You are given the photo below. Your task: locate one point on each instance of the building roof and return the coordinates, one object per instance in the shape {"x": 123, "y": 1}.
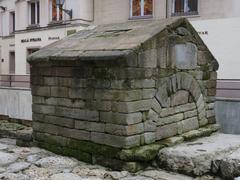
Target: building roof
{"x": 108, "y": 41}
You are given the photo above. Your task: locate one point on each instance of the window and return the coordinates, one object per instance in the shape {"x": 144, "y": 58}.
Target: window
{"x": 12, "y": 22}
{"x": 56, "y": 11}
{"x": 12, "y": 62}
{"x": 29, "y": 52}
{"x": 34, "y": 13}
{"x": 141, "y": 8}
{"x": 185, "y": 7}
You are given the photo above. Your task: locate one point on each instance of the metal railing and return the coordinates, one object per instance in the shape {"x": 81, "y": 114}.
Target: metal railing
{"x": 228, "y": 88}
{"x": 12, "y": 80}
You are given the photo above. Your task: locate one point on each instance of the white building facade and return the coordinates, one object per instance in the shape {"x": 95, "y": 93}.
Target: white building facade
{"x": 28, "y": 25}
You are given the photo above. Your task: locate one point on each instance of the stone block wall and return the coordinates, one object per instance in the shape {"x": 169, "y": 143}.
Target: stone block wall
{"x": 98, "y": 109}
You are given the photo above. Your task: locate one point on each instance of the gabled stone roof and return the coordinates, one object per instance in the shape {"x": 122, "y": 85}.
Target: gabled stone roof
{"x": 108, "y": 41}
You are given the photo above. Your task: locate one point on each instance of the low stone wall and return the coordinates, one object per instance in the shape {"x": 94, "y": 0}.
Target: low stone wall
{"x": 110, "y": 110}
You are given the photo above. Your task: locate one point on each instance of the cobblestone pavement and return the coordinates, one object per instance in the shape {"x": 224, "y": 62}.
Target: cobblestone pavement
{"x": 18, "y": 163}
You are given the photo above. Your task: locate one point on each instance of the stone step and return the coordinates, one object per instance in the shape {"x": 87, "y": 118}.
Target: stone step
{"x": 202, "y": 156}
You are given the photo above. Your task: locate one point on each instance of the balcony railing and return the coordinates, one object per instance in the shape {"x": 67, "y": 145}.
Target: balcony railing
{"x": 12, "y": 80}
{"x": 228, "y": 88}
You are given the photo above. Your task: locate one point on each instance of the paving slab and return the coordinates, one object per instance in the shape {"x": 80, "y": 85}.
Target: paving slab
{"x": 31, "y": 163}
{"x": 195, "y": 158}
{"x": 7, "y": 158}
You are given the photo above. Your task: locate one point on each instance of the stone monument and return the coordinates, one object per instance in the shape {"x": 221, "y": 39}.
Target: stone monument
{"x": 111, "y": 94}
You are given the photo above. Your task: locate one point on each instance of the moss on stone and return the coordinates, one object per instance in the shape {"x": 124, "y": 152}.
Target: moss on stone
{"x": 80, "y": 155}
{"x": 143, "y": 153}
{"x": 134, "y": 167}
{"x": 93, "y": 148}
{"x": 5, "y": 125}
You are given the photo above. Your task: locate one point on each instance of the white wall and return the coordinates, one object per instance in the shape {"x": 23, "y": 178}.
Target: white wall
{"x": 223, "y": 40}
{"x": 210, "y": 9}
{"x": 21, "y": 15}
{"x": 16, "y": 103}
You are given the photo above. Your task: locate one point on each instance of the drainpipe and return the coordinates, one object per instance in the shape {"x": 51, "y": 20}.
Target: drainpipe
{"x": 93, "y": 10}
{"x": 166, "y": 8}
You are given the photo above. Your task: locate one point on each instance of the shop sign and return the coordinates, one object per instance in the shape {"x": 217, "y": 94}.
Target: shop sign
{"x": 53, "y": 38}
{"x": 31, "y": 40}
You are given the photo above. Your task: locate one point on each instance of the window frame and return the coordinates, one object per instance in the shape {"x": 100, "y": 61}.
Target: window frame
{"x": 58, "y": 9}
{"x": 185, "y": 13}
{"x": 37, "y": 13}
{"x": 142, "y": 16}
{"x": 12, "y": 22}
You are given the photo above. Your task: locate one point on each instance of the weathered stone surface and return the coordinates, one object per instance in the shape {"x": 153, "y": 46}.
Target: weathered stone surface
{"x": 167, "y": 131}
{"x": 188, "y": 125}
{"x": 7, "y": 158}
{"x": 148, "y": 93}
{"x": 124, "y": 130}
{"x": 184, "y": 56}
{"x": 162, "y": 95}
{"x": 65, "y": 122}
{"x": 156, "y": 106}
{"x": 121, "y": 118}
{"x": 150, "y": 126}
{"x": 59, "y": 92}
{"x": 119, "y": 95}
{"x": 196, "y": 157}
{"x": 57, "y": 130}
{"x": 162, "y": 58}
{"x": 41, "y": 91}
{"x": 143, "y": 153}
{"x": 185, "y": 81}
{"x": 172, "y": 141}
{"x": 90, "y": 126}
{"x": 116, "y": 141}
{"x": 229, "y": 165}
{"x": 183, "y": 31}
{"x": 148, "y": 58}
{"x": 210, "y": 113}
{"x": 57, "y": 163}
{"x": 13, "y": 176}
{"x": 137, "y": 178}
{"x": 170, "y": 119}
{"x": 179, "y": 98}
{"x": 33, "y": 158}
{"x": 43, "y": 109}
{"x": 148, "y": 138}
{"x": 16, "y": 167}
{"x": 64, "y": 176}
{"x": 203, "y": 122}
{"x": 164, "y": 175}
{"x": 203, "y": 57}
{"x": 178, "y": 109}
{"x": 190, "y": 114}
{"x": 130, "y": 107}
{"x": 133, "y": 84}
{"x": 82, "y": 114}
